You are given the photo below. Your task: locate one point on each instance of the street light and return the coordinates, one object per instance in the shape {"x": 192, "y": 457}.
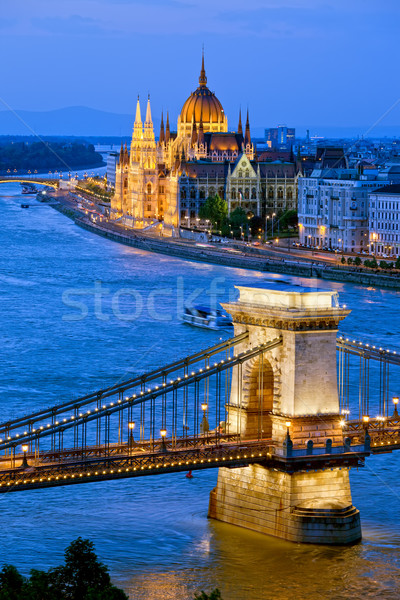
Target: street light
{"x": 131, "y": 427}
{"x": 25, "y": 449}
{"x": 288, "y": 424}
{"x": 204, "y": 426}
{"x": 163, "y": 433}
{"x": 395, "y": 402}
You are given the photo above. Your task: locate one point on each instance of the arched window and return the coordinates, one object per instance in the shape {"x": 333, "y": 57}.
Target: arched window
{"x": 221, "y": 192}
{"x": 193, "y": 192}
{"x": 247, "y": 193}
{"x": 247, "y": 174}
{"x": 254, "y": 194}
{"x": 183, "y": 194}
{"x": 271, "y": 193}
{"x": 149, "y": 188}
{"x": 289, "y": 194}
{"x": 240, "y": 174}
{"x": 233, "y": 194}
{"x": 125, "y": 183}
{"x": 280, "y": 193}
{"x": 202, "y": 194}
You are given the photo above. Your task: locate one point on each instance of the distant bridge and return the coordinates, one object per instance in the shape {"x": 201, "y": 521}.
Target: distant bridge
{"x": 54, "y": 183}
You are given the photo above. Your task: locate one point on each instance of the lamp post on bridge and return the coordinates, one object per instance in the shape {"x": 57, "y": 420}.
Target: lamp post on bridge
{"x": 204, "y": 426}
{"x": 25, "y": 449}
{"x": 163, "y": 433}
{"x": 131, "y": 441}
{"x": 395, "y": 402}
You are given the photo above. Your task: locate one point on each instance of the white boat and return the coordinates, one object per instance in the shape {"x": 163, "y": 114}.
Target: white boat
{"x": 206, "y": 317}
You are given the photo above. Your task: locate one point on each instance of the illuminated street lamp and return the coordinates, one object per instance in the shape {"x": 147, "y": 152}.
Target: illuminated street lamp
{"x": 365, "y": 422}
{"x": 288, "y": 424}
{"x": 131, "y": 427}
{"x": 204, "y": 426}
{"x": 395, "y": 402}
{"x": 25, "y": 449}
{"x": 163, "y": 433}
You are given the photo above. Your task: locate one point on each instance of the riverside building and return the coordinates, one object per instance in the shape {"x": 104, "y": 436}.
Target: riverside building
{"x": 333, "y": 208}
{"x": 170, "y": 179}
{"x": 384, "y": 218}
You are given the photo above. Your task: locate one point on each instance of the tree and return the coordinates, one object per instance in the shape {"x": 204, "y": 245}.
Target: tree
{"x": 349, "y": 261}
{"x": 343, "y": 260}
{"x": 11, "y": 583}
{"x": 357, "y": 261}
{"x": 383, "y": 264}
{"x": 81, "y": 577}
{"x": 215, "y": 209}
{"x": 81, "y": 572}
{"x": 256, "y": 223}
{"x": 397, "y": 265}
{"x": 289, "y": 219}
{"x": 214, "y": 595}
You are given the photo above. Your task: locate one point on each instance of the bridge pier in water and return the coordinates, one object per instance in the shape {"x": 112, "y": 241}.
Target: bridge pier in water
{"x": 289, "y": 394}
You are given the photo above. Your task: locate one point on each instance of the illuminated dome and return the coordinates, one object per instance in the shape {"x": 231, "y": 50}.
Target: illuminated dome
{"x": 202, "y": 106}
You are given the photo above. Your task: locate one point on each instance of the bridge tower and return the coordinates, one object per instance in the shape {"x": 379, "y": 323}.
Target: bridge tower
{"x": 288, "y": 394}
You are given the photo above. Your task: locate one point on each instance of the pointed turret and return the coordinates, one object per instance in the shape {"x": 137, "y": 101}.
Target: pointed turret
{"x": 202, "y": 78}
{"x": 148, "y": 124}
{"x": 121, "y": 154}
{"x": 194, "y": 134}
{"x": 247, "y": 137}
{"x": 138, "y": 125}
{"x": 162, "y": 134}
{"x": 126, "y": 154}
{"x": 200, "y": 137}
{"x": 148, "y": 111}
{"x": 167, "y": 132}
{"x": 138, "y": 116}
{"x": 240, "y": 128}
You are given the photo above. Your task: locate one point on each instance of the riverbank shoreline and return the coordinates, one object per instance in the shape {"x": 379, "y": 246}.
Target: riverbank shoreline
{"x": 222, "y": 256}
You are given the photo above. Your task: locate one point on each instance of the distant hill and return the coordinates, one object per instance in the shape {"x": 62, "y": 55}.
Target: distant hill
{"x": 74, "y": 120}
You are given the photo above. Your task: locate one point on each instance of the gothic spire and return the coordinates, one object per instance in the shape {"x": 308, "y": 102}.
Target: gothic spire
{"x": 167, "y": 132}
{"x": 194, "y": 134}
{"x": 148, "y": 112}
{"x": 126, "y": 154}
{"x": 240, "y": 128}
{"x": 247, "y": 137}
{"x": 202, "y": 78}
{"x": 200, "y": 136}
{"x": 162, "y": 134}
{"x": 138, "y": 117}
{"x": 121, "y": 154}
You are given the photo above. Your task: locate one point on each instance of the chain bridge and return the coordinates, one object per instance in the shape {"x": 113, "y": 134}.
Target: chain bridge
{"x": 284, "y": 409}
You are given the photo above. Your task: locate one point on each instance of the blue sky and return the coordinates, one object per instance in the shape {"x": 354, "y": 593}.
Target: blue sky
{"x": 300, "y": 62}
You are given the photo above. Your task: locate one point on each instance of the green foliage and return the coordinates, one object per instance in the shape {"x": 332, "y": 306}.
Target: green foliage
{"x": 357, "y": 261}
{"x": 343, "y": 260}
{"x": 238, "y": 217}
{"x": 397, "y": 264}
{"x": 215, "y": 209}
{"x": 214, "y": 595}
{"x": 349, "y": 261}
{"x": 288, "y": 219}
{"x": 383, "y": 264}
{"x": 81, "y": 577}
{"x": 41, "y": 156}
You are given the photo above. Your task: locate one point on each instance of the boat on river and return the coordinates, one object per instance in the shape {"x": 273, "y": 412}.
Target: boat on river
{"x": 206, "y": 317}
{"x": 28, "y": 188}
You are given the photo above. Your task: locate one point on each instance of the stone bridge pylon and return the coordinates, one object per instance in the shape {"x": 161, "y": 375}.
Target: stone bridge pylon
{"x": 289, "y": 395}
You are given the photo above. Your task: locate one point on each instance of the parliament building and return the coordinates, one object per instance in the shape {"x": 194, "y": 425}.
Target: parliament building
{"x": 168, "y": 180}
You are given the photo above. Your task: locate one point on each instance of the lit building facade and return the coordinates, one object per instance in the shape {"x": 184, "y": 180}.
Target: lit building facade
{"x": 168, "y": 180}
{"x": 333, "y": 208}
{"x": 384, "y": 219}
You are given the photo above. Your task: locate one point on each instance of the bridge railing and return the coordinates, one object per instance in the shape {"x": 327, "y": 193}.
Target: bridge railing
{"x": 187, "y": 399}
{"x": 368, "y": 379}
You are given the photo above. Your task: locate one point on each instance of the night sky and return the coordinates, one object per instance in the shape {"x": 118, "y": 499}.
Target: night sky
{"x": 290, "y": 61}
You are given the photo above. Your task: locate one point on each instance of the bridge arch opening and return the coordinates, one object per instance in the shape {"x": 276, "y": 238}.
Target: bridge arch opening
{"x": 252, "y": 399}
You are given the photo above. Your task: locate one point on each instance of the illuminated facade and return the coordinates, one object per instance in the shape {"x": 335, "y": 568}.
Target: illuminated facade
{"x": 168, "y": 180}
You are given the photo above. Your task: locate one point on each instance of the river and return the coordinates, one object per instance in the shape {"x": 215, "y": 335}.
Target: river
{"x": 153, "y": 532}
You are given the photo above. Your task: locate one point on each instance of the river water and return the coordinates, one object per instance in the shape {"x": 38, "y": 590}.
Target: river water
{"x": 153, "y": 532}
